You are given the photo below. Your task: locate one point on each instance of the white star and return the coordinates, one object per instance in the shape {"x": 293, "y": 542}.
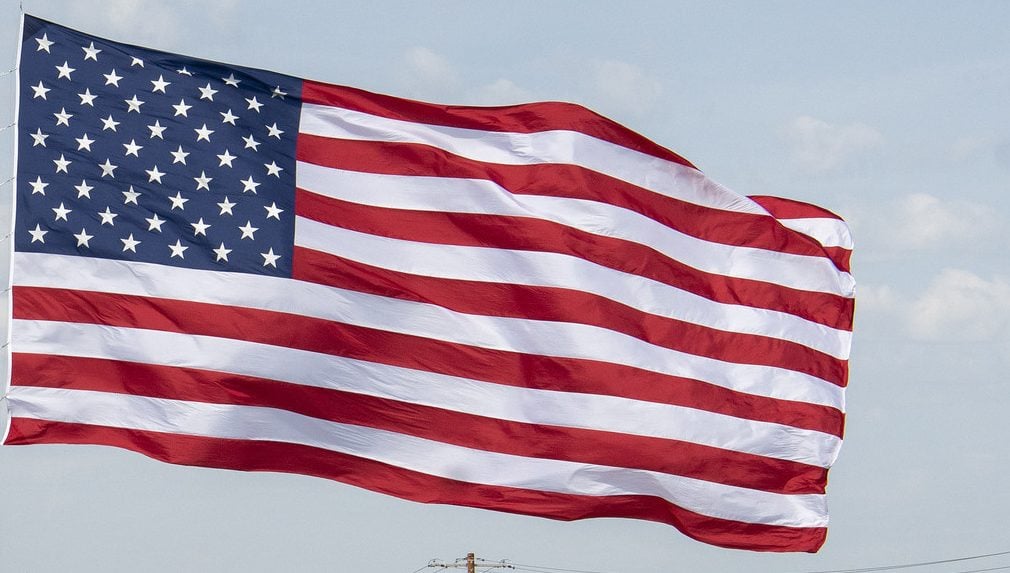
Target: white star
{"x": 63, "y": 118}
{"x": 83, "y": 190}
{"x": 278, "y": 92}
{"x": 270, "y": 259}
{"x": 178, "y": 249}
{"x": 228, "y": 117}
{"x": 274, "y": 132}
{"x": 109, "y": 123}
{"x": 130, "y": 244}
{"x": 111, "y": 79}
{"x": 44, "y": 44}
{"x": 65, "y": 70}
{"x": 84, "y": 142}
{"x": 108, "y": 168}
{"x": 87, "y": 98}
{"x": 207, "y": 92}
{"x": 136, "y": 62}
{"x": 38, "y": 186}
{"x": 273, "y": 169}
{"x": 226, "y": 158}
{"x": 91, "y": 52}
{"x": 39, "y": 137}
{"x": 83, "y": 237}
{"x": 200, "y": 228}
{"x": 160, "y": 84}
{"x": 184, "y": 71}
{"x": 178, "y": 201}
{"x": 203, "y": 182}
{"x": 179, "y": 155}
{"x": 107, "y": 217}
{"x": 40, "y": 90}
{"x": 132, "y": 148}
{"x": 254, "y": 104}
{"x": 130, "y": 196}
{"x": 231, "y": 80}
{"x": 226, "y": 206}
{"x": 250, "y": 142}
{"x": 62, "y": 164}
{"x": 157, "y": 130}
{"x": 154, "y": 175}
{"x": 273, "y": 211}
{"x": 222, "y": 253}
{"x": 134, "y": 104}
{"x": 154, "y": 223}
{"x": 250, "y": 184}
{"x": 203, "y": 133}
{"x": 248, "y": 230}
{"x": 61, "y": 212}
{"x": 181, "y": 108}
{"x": 38, "y": 235}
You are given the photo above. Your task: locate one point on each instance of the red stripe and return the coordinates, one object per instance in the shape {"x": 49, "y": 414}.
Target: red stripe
{"x": 842, "y": 257}
{"x": 566, "y": 305}
{"x": 524, "y": 118}
{"x": 459, "y": 428}
{"x": 375, "y": 476}
{"x": 791, "y": 209}
{"x": 558, "y": 180}
{"x": 528, "y": 234}
{"x": 372, "y": 345}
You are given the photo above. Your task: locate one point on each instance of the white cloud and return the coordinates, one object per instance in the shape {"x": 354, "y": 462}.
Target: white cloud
{"x": 876, "y": 299}
{"x": 154, "y": 21}
{"x": 501, "y": 92}
{"x": 428, "y": 74}
{"x": 920, "y": 220}
{"x": 623, "y": 87}
{"x": 818, "y": 146}
{"x": 967, "y": 147}
{"x": 961, "y": 306}
{"x": 150, "y": 22}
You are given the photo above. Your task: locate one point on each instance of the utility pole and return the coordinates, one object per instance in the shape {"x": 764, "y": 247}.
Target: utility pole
{"x": 471, "y": 563}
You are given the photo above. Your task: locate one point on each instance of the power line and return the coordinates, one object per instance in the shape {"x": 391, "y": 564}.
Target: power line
{"x": 910, "y": 565}
{"x": 1003, "y": 568}
{"x": 545, "y": 569}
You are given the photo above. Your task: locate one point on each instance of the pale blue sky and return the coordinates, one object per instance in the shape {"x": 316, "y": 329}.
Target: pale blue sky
{"x": 892, "y": 114}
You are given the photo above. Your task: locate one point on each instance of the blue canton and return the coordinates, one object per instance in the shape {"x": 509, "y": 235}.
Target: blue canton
{"x": 139, "y": 155}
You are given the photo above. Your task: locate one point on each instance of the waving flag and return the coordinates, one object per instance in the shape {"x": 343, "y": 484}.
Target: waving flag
{"x": 527, "y": 308}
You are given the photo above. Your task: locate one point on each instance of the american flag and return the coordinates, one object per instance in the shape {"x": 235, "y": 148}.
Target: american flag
{"x": 527, "y": 308}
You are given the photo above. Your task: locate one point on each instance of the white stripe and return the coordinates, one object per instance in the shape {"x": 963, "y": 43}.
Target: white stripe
{"x": 497, "y": 401}
{"x": 415, "y": 454}
{"x": 828, "y": 232}
{"x": 558, "y": 146}
{"x": 459, "y": 195}
{"x": 564, "y": 271}
{"x": 417, "y": 319}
